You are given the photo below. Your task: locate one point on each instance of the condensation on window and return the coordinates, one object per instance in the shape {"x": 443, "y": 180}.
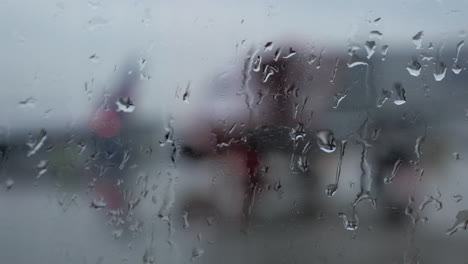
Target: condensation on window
{"x": 209, "y": 131}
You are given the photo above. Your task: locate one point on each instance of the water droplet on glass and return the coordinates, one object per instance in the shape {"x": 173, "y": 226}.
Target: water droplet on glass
{"x": 338, "y": 97}
{"x": 439, "y": 71}
{"x": 461, "y": 223}
{"x": 42, "y": 168}
{"x": 268, "y": 46}
{"x": 375, "y": 34}
{"x": 312, "y": 58}
{"x": 434, "y": 199}
{"x": 29, "y": 102}
{"x": 456, "y": 68}
{"x": 257, "y": 63}
{"x": 94, "y": 58}
{"x": 417, "y": 148}
{"x": 332, "y": 188}
{"x": 98, "y": 203}
{"x": 400, "y": 93}
{"x": 303, "y": 163}
{"x": 377, "y": 20}
{"x": 185, "y": 218}
{"x": 117, "y": 233}
{"x": 350, "y": 223}
{"x": 355, "y": 60}
{"x": 290, "y": 54}
{"x": 457, "y": 198}
{"x": 396, "y": 166}
{"x": 384, "y": 52}
{"x": 326, "y": 140}
{"x": 35, "y": 144}
{"x": 320, "y": 58}
{"x": 384, "y": 97}
{"x": 335, "y": 70}
{"x": 414, "y": 67}
{"x": 457, "y": 156}
{"x": 277, "y": 54}
{"x": 197, "y": 252}
{"x": 125, "y": 105}
{"x": 186, "y": 95}
{"x": 370, "y": 48}
{"x": 417, "y": 39}
{"x": 268, "y": 72}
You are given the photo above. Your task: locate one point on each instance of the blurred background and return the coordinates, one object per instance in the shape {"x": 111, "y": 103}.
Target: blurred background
{"x": 137, "y": 131}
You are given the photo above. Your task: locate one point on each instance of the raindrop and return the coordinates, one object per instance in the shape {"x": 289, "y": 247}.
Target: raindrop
{"x": 370, "y": 48}
{"x": 384, "y": 52}
{"x": 186, "y": 95}
{"x": 383, "y": 98}
{"x": 269, "y": 71}
{"x": 332, "y": 188}
{"x": 303, "y": 164}
{"x": 417, "y": 148}
{"x": 461, "y": 223}
{"x": 335, "y": 70}
{"x": 326, "y": 140}
{"x": 350, "y": 223}
{"x": 291, "y": 53}
{"x": 338, "y": 97}
{"x": 312, "y": 58}
{"x": 148, "y": 257}
{"x": 457, "y": 156}
{"x": 98, "y": 204}
{"x": 197, "y": 252}
{"x": 366, "y": 175}
{"x": 375, "y": 34}
{"x": 277, "y": 54}
{"x": 426, "y": 57}
{"x": 459, "y": 46}
{"x": 126, "y": 105}
{"x": 185, "y": 218}
{"x": 42, "y": 168}
{"x": 355, "y": 60}
{"x": 457, "y": 198}
{"x": 117, "y": 233}
{"x": 29, "y": 102}
{"x": 456, "y": 68}
{"x": 414, "y": 67}
{"x": 319, "y": 60}
{"x": 439, "y": 71}
{"x": 396, "y": 166}
{"x": 36, "y": 144}
{"x": 94, "y": 58}
{"x": 376, "y": 134}
{"x": 268, "y": 46}
{"x": 400, "y": 93}
{"x": 434, "y": 199}
{"x": 257, "y": 63}
{"x": 417, "y": 39}
{"x": 125, "y": 159}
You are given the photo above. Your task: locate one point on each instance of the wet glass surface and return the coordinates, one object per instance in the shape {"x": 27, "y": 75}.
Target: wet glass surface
{"x": 235, "y": 132}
